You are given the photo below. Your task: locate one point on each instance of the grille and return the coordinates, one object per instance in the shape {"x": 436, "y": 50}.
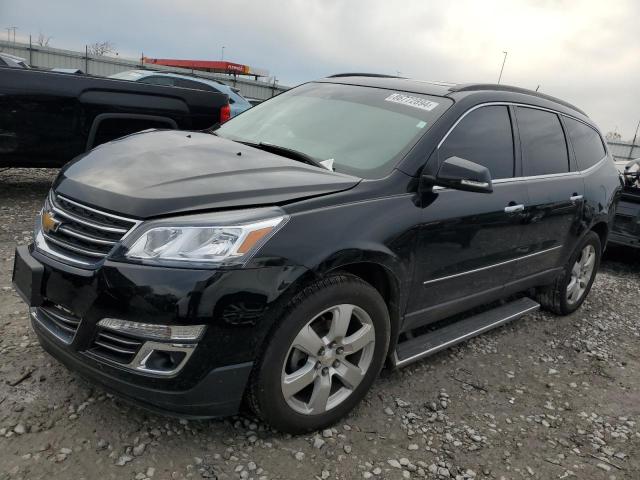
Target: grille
{"x": 59, "y": 321}
{"x": 83, "y": 233}
{"x": 115, "y": 346}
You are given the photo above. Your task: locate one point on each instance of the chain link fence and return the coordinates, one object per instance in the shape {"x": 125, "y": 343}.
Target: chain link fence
{"x": 48, "y": 57}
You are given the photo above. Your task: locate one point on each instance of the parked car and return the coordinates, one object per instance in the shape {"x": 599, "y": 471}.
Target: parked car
{"x": 7, "y": 60}
{"x": 254, "y": 101}
{"x": 286, "y": 257}
{"x": 48, "y": 118}
{"x": 238, "y": 103}
{"x": 626, "y": 229}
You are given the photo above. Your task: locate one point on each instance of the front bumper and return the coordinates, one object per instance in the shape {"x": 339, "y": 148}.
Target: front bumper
{"x": 218, "y": 394}
{"x": 237, "y": 307}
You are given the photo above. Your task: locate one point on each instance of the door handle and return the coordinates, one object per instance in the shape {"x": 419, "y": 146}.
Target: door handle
{"x": 514, "y": 208}
{"x": 575, "y": 198}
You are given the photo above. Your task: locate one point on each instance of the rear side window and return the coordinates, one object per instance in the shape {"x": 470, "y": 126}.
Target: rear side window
{"x": 586, "y": 143}
{"x": 485, "y": 137}
{"x": 181, "y": 82}
{"x": 544, "y": 148}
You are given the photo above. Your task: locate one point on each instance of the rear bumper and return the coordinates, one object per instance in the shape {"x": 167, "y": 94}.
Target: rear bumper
{"x": 218, "y": 394}
{"x": 625, "y": 240}
{"x": 626, "y": 228}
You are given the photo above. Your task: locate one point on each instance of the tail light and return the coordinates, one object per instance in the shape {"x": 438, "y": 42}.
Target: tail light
{"x": 225, "y": 113}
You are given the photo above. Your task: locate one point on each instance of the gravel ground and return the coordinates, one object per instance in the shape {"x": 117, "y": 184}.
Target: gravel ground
{"x": 544, "y": 397}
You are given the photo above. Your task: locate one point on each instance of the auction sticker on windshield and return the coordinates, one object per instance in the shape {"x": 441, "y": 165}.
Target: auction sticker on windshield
{"x": 411, "y": 101}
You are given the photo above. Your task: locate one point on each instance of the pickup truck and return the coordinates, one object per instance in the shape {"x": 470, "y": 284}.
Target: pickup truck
{"x": 48, "y": 118}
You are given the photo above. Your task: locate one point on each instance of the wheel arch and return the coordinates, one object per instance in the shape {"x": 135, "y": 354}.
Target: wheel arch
{"x": 101, "y": 118}
{"x": 602, "y": 229}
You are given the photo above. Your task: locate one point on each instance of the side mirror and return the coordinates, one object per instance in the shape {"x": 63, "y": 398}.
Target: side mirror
{"x": 461, "y": 174}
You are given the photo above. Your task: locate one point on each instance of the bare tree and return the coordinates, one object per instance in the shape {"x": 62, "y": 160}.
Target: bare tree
{"x": 613, "y": 136}
{"x": 43, "y": 40}
{"x": 101, "y": 48}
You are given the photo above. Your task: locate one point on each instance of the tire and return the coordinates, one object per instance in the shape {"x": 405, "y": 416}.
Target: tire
{"x": 292, "y": 357}
{"x": 555, "y": 297}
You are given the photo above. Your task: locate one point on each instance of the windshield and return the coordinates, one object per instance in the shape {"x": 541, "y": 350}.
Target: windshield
{"x": 364, "y": 130}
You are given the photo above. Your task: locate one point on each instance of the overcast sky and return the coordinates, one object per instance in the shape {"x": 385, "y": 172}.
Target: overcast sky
{"x": 586, "y": 52}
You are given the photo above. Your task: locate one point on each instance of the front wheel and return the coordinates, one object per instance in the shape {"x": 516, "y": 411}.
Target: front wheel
{"x": 567, "y": 293}
{"x": 323, "y": 356}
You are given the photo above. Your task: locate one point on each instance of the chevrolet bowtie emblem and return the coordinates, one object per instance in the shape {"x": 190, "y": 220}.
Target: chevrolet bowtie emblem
{"x": 49, "y": 222}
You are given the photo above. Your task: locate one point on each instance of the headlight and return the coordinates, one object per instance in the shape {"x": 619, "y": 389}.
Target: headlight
{"x": 227, "y": 238}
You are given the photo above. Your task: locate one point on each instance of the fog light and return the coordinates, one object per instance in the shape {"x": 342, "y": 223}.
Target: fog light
{"x": 153, "y": 331}
{"x": 163, "y": 361}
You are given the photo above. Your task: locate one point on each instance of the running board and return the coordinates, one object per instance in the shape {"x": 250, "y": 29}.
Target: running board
{"x": 445, "y": 337}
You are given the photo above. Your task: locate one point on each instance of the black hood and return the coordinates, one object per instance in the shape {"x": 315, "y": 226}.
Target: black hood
{"x": 164, "y": 172}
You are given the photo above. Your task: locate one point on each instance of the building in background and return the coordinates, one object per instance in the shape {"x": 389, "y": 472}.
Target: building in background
{"x": 259, "y": 87}
{"x": 212, "y": 66}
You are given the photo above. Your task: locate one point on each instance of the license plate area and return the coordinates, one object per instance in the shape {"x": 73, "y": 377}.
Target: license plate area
{"x": 27, "y": 277}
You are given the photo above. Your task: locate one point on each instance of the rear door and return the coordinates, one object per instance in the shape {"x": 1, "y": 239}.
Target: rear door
{"x": 555, "y": 189}
{"x": 468, "y": 243}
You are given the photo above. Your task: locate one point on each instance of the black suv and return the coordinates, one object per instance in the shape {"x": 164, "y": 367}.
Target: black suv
{"x": 285, "y": 257}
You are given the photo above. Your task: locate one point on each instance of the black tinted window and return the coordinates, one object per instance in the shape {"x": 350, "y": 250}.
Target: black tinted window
{"x": 168, "y": 81}
{"x": 484, "y": 136}
{"x": 544, "y": 148}
{"x": 586, "y": 143}
{"x": 181, "y": 82}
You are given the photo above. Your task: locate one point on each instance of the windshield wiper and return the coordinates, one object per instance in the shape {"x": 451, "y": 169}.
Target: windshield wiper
{"x": 285, "y": 152}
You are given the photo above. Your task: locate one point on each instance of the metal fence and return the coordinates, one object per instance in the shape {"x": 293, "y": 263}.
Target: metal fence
{"x": 624, "y": 150}
{"x": 47, "y": 57}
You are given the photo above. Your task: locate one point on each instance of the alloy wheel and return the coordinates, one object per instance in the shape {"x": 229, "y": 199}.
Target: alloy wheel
{"x": 581, "y": 274}
{"x": 328, "y": 359}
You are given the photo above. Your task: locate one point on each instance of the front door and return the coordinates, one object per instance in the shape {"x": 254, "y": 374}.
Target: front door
{"x": 469, "y": 242}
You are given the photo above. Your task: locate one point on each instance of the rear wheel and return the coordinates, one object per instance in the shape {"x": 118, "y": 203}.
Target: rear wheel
{"x": 324, "y": 355}
{"x": 567, "y": 293}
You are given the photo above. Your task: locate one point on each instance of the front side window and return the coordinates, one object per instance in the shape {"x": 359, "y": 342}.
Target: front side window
{"x": 544, "y": 148}
{"x": 586, "y": 142}
{"x": 483, "y": 136}
{"x": 365, "y": 130}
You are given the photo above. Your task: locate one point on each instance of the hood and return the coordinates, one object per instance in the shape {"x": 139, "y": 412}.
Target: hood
{"x": 163, "y": 172}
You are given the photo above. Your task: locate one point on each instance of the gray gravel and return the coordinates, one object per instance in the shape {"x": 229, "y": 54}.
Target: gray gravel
{"x": 544, "y": 397}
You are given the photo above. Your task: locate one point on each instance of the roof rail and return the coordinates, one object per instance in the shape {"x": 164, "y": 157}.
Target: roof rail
{"x": 471, "y": 87}
{"x": 379, "y": 75}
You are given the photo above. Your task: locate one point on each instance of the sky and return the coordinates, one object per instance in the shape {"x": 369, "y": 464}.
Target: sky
{"x": 586, "y": 52}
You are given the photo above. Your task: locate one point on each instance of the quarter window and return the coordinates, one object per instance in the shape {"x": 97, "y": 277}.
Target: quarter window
{"x": 544, "y": 148}
{"x": 586, "y": 142}
{"x": 484, "y": 136}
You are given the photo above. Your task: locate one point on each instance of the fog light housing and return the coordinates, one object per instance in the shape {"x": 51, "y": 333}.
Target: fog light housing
{"x": 164, "y": 361}
{"x": 152, "y": 331}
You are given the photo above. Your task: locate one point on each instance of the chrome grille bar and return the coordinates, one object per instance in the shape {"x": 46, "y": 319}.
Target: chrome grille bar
{"x": 82, "y": 235}
{"x": 73, "y": 248}
{"x": 87, "y": 238}
{"x": 87, "y": 222}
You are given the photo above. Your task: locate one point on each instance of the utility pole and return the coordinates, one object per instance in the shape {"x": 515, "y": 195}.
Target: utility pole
{"x": 633, "y": 142}
{"x": 504, "y": 60}
{"x": 9, "y": 29}
{"x": 222, "y": 55}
